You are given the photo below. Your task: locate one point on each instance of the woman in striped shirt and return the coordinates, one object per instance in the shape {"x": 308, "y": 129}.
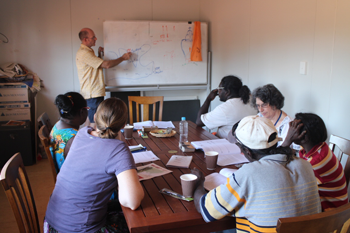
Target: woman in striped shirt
{"x": 309, "y": 131}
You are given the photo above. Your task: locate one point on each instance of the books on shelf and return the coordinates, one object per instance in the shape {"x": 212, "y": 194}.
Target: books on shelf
{"x": 159, "y": 124}
{"x": 229, "y": 153}
{"x": 179, "y": 161}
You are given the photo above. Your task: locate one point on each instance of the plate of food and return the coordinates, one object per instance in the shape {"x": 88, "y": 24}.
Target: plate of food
{"x": 163, "y": 132}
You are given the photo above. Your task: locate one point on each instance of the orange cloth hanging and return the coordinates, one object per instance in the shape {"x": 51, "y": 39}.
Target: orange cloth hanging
{"x": 196, "y": 53}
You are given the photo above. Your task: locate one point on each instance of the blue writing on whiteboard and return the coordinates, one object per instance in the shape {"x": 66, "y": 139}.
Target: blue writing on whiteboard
{"x": 138, "y": 61}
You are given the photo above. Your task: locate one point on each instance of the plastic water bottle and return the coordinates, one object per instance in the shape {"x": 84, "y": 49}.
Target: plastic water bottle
{"x": 183, "y": 125}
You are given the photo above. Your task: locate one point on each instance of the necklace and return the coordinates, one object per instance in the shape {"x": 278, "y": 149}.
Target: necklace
{"x": 278, "y": 119}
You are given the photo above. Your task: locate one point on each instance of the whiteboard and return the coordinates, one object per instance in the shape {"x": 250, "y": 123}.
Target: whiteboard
{"x": 161, "y": 53}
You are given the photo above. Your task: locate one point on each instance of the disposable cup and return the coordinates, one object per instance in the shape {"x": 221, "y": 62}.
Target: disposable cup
{"x": 211, "y": 158}
{"x": 128, "y": 131}
{"x": 188, "y": 184}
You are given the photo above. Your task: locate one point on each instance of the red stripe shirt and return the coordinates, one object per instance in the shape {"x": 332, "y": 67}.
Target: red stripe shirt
{"x": 330, "y": 176}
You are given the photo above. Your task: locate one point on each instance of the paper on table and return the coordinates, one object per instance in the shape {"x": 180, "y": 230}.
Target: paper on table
{"x": 234, "y": 158}
{"x": 144, "y": 156}
{"x": 214, "y": 180}
{"x": 160, "y": 124}
{"x": 163, "y": 124}
{"x": 227, "y": 171}
{"x": 151, "y": 170}
{"x": 228, "y": 153}
{"x": 179, "y": 161}
{"x": 138, "y": 125}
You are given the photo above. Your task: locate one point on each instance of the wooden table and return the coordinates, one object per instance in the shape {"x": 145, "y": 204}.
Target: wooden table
{"x": 162, "y": 213}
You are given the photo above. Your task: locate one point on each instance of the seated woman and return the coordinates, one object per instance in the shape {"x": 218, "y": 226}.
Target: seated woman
{"x": 97, "y": 164}
{"x": 269, "y": 101}
{"x": 72, "y": 108}
{"x": 309, "y": 131}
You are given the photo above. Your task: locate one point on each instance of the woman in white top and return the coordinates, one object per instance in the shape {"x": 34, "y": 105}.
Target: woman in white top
{"x": 269, "y": 101}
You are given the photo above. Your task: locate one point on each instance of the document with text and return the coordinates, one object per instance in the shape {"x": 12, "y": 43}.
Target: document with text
{"x": 229, "y": 153}
{"x": 159, "y": 124}
{"x": 144, "y": 156}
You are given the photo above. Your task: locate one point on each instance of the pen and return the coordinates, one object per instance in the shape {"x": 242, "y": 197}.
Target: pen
{"x": 174, "y": 194}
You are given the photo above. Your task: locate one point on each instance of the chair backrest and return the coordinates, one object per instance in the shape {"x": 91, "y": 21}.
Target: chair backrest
{"x": 325, "y": 222}
{"x": 45, "y": 141}
{"x": 146, "y": 101}
{"x": 343, "y": 146}
{"x": 44, "y": 119}
{"x": 16, "y": 184}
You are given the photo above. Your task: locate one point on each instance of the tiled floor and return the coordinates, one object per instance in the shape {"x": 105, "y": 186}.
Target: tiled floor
{"x": 41, "y": 181}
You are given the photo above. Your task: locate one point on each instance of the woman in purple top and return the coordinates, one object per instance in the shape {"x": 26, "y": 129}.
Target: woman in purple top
{"x": 97, "y": 164}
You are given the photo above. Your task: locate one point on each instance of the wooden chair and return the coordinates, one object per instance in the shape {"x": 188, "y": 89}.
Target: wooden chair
{"x": 343, "y": 146}
{"x": 16, "y": 184}
{"x": 44, "y": 119}
{"x": 325, "y": 222}
{"x": 145, "y": 101}
{"x": 45, "y": 141}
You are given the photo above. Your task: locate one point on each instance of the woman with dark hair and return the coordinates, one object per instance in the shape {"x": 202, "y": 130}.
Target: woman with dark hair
{"x": 235, "y": 96}
{"x": 269, "y": 101}
{"x": 73, "y": 109}
{"x": 309, "y": 131}
{"x": 98, "y": 163}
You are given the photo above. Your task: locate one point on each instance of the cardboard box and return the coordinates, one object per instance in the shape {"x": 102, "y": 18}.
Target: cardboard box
{"x": 18, "y": 114}
{"x": 13, "y": 93}
{"x": 14, "y": 105}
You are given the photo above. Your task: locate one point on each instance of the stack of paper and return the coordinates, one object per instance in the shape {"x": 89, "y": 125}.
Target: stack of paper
{"x": 228, "y": 153}
{"x": 144, "y": 157}
{"x": 159, "y": 124}
{"x": 179, "y": 161}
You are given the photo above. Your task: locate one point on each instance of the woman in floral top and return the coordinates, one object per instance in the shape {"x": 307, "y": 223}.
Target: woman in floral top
{"x": 73, "y": 109}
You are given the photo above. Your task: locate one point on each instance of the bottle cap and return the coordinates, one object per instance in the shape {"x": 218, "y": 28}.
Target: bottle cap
{"x": 183, "y": 118}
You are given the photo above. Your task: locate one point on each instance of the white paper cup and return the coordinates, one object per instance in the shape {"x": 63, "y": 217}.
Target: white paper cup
{"x": 211, "y": 158}
{"x": 188, "y": 183}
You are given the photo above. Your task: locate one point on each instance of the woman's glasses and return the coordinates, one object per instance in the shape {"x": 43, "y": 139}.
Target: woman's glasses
{"x": 264, "y": 105}
{"x": 87, "y": 108}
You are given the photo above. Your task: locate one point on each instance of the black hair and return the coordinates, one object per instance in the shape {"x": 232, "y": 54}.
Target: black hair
{"x": 235, "y": 86}
{"x": 83, "y": 34}
{"x": 70, "y": 104}
{"x": 314, "y": 125}
{"x": 268, "y": 94}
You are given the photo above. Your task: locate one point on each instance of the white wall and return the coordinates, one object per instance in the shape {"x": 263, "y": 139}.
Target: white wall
{"x": 260, "y": 41}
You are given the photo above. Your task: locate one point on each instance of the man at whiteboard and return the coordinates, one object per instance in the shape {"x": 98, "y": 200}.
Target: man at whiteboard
{"x": 236, "y": 105}
{"x": 90, "y": 70}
